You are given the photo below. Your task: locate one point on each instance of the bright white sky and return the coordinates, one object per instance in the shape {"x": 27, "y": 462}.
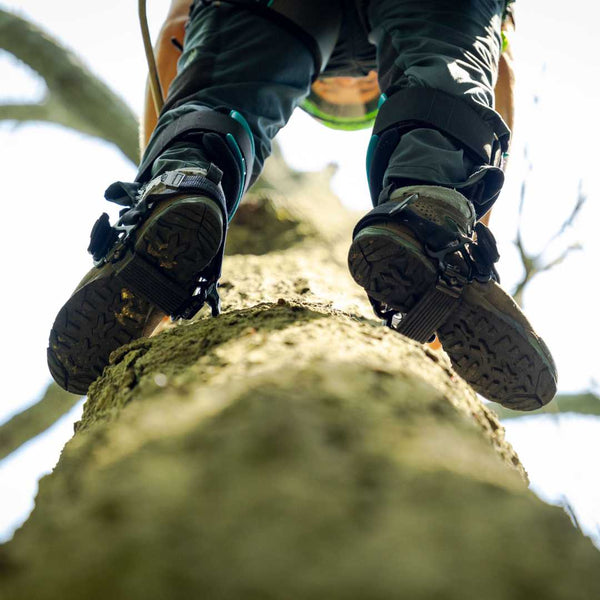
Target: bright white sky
{"x": 52, "y": 190}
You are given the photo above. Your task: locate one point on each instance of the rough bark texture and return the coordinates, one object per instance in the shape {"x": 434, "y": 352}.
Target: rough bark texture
{"x": 291, "y": 448}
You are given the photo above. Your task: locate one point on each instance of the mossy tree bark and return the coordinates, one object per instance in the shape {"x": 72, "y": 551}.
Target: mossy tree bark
{"x": 77, "y": 99}
{"x": 291, "y": 448}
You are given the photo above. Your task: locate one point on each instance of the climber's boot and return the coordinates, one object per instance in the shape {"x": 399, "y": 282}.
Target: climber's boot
{"x": 428, "y": 268}
{"x": 163, "y": 257}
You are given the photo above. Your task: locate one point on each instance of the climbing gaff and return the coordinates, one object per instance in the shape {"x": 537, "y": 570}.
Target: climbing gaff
{"x": 155, "y": 88}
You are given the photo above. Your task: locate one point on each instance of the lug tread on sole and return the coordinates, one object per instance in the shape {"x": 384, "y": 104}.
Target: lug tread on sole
{"x": 104, "y": 315}
{"x": 389, "y": 273}
{"x": 81, "y": 343}
{"x": 183, "y": 240}
{"x": 497, "y": 360}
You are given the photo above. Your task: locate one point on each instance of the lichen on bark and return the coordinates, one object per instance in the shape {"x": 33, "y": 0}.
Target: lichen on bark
{"x": 291, "y": 448}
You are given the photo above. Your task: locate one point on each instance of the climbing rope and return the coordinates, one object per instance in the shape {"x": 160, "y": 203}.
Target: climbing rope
{"x": 155, "y": 88}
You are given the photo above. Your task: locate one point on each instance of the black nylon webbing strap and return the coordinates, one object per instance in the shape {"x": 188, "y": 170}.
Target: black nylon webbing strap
{"x": 414, "y": 108}
{"x": 197, "y": 184}
{"x": 177, "y": 183}
{"x": 199, "y": 121}
{"x": 388, "y": 211}
{"x": 148, "y": 281}
{"x": 430, "y": 312}
{"x": 411, "y": 107}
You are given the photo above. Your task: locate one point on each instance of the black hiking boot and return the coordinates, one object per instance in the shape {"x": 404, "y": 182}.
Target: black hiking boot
{"x": 428, "y": 268}
{"x": 162, "y": 258}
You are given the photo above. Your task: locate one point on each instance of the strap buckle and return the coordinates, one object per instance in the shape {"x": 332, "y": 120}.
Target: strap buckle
{"x": 173, "y": 179}
{"x": 206, "y": 293}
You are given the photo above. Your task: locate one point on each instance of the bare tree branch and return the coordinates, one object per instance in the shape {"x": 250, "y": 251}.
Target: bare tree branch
{"x": 48, "y": 111}
{"x": 534, "y": 264}
{"x": 24, "y": 112}
{"x": 581, "y": 199}
{"x": 587, "y": 403}
{"x": 76, "y": 98}
{"x": 34, "y": 420}
{"x": 557, "y": 261}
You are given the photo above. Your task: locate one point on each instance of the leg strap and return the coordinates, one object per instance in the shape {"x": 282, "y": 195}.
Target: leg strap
{"x": 114, "y": 244}
{"x": 233, "y": 138}
{"x": 428, "y": 314}
{"x": 314, "y": 22}
{"x": 413, "y": 108}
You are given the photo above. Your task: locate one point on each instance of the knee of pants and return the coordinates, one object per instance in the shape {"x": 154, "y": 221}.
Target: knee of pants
{"x": 234, "y": 59}
{"x": 450, "y": 45}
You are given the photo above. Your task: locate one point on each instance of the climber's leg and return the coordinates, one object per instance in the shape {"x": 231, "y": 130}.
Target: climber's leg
{"x": 434, "y": 169}
{"x": 441, "y": 54}
{"x": 241, "y": 74}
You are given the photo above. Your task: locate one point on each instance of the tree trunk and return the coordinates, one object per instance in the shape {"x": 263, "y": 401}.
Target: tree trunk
{"x": 290, "y": 448}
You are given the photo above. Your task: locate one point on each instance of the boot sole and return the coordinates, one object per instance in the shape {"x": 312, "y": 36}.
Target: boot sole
{"x": 103, "y": 314}
{"x": 488, "y": 339}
